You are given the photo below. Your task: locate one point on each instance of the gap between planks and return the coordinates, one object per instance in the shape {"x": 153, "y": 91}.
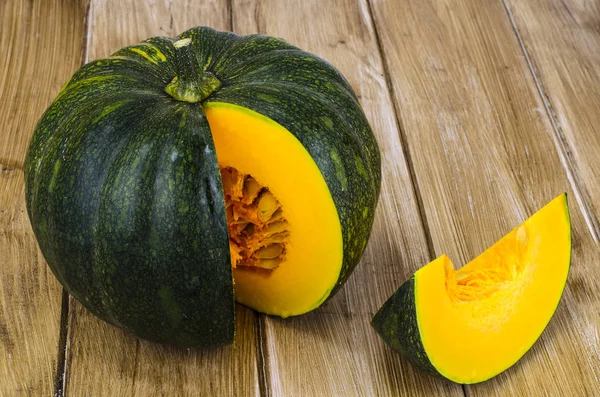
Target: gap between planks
{"x": 61, "y": 361}
{"x": 60, "y": 379}
{"x": 402, "y": 137}
{"x": 561, "y": 145}
{"x": 259, "y": 318}
{"x": 261, "y": 350}
{"x": 404, "y": 143}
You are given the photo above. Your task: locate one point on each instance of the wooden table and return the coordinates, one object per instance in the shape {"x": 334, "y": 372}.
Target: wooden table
{"x": 484, "y": 111}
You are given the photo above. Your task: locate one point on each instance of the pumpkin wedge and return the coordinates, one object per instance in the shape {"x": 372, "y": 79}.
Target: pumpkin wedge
{"x": 471, "y": 324}
{"x": 180, "y": 174}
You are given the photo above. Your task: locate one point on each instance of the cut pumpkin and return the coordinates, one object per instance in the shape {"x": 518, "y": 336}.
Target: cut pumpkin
{"x": 471, "y": 324}
{"x": 180, "y": 175}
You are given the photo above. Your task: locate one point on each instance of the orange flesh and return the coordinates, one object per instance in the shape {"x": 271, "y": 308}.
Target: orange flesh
{"x": 500, "y": 269}
{"x": 258, "y": 232}
{"x": 478, "y": 321}
{"x": 312, "y": 251}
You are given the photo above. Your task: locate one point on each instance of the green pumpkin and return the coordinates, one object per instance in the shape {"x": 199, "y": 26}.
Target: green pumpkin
{"x": 125, "y": 193}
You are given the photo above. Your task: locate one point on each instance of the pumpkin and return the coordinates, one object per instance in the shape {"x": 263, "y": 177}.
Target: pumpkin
{"x": 161, "y": 174}
{"x": 471, "y": 324}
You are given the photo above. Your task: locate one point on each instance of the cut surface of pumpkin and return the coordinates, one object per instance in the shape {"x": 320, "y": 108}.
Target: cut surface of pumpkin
{"x": 475, "y": 322}
{"x": 284, "y": 232}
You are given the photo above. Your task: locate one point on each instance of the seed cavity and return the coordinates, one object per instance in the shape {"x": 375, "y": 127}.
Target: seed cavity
{"x": 258, "y": 230}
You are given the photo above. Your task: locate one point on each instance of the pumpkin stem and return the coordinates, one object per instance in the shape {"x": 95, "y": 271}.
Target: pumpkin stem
{"x": 193, "y": 83}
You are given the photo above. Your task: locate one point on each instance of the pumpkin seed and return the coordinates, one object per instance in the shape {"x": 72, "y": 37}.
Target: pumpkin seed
{"x": 269, "y": 264}
{"x": 275, "y": 228}
{"x": 277, "y": 215}
{"x": 269, "y": 252}
{"x": 251, "y": 190}
{"x": 267, "y": 205}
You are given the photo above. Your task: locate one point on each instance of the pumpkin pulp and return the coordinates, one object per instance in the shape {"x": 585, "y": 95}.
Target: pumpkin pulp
{"x": 284, "y": 231}
{"x": 494, "y": 308}
{"x": 258, "y": 231}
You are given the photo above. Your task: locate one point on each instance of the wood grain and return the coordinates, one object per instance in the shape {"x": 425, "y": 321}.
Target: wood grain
{"x": 484, "y": 157}
{"x": 334, "y": 351}
{"x": 115, "y": 24}
{"x": 562, "y": 39}
{"x": 106, "y": 361}
{"x": 103, "y": 360}
{"x": 41, "y": 45}
{"x": 469, "y": 149}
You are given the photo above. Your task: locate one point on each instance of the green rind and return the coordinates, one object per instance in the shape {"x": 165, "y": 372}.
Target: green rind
{"x": 396, "y": 323}
{"x": 125, "y": 198}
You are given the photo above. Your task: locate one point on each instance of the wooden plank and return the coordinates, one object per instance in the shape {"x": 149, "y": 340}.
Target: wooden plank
{"x": 482, "y": 150}
{"x": 106, "y": 361}
{"x": 562, "y": 40}
{"x": 115, "y": 24}
{"x": 334, "y": 351}
{"x": 41, "y": 44}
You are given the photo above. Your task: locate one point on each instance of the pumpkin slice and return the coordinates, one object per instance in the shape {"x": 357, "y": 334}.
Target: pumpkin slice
{"x": 290, "y": 265}
{"x": 471, "y": 324}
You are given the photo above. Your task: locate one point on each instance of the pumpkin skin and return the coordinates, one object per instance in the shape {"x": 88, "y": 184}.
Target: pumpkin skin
{"x": 471, "y": 324}
{"x": 123, "y": 184}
